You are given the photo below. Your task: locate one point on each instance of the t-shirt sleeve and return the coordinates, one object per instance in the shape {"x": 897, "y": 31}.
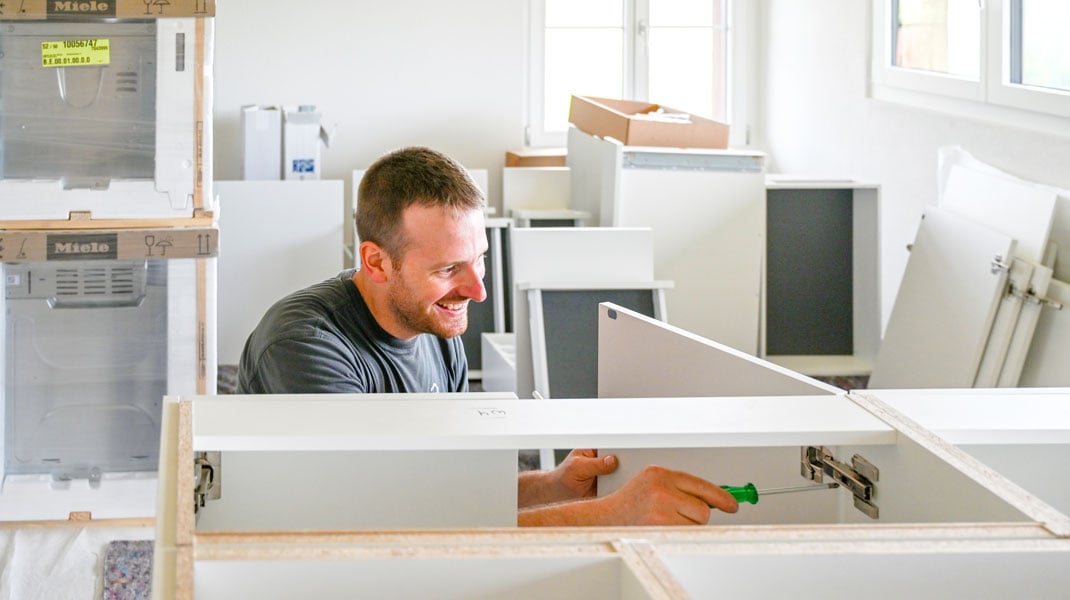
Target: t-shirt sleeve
{"x": 302, "y": 366}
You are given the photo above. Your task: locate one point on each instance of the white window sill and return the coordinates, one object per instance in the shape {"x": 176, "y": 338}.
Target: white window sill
{"x": 970, "y": 109}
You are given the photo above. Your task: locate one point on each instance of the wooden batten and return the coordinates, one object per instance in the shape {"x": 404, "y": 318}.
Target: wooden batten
{"x": 84, "y": 220}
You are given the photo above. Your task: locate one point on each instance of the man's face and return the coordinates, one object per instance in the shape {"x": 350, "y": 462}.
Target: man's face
{"x": 441, "y": 271}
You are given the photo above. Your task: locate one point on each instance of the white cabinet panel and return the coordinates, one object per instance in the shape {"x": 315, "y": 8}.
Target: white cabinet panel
{"x": 946, "y": 303}
{"x": 279, "y": 236}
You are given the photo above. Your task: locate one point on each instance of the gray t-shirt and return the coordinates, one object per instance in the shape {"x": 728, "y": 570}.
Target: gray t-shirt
{"x": 323, "y": 339}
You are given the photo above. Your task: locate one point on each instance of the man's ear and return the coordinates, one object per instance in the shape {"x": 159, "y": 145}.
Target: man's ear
{"x": 375, "y": 262}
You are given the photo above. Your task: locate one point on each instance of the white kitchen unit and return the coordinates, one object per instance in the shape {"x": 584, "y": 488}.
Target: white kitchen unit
{"x": 907, "y": 500}
{"x": 290, "y": 229}
{"x": 591, "y": 256}
{"x": 707, "y": 211}
{"x": 632, "y": 346}
{"x": 540, "y": 197}
{"x": 499, "y": 362}
{"x": 1024, "y": 434}
{"x": 939, "y": 511}
{"x": 821, "y": 287}
{"x": 564, "y": 330}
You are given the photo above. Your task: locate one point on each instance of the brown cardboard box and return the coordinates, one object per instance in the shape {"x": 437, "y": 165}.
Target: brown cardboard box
{"x": 626, "y": 121}
{"x": 96, "y": 9}
{"x": 536, "y": 157}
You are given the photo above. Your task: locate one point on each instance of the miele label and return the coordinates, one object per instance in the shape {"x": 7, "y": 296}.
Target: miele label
{"x": 99, "y": 246}
{"x": 94, "y": 8}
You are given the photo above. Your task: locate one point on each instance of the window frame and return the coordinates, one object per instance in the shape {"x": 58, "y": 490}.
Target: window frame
{"x": 992, "y": 98}
{"x": 740, "y": 16}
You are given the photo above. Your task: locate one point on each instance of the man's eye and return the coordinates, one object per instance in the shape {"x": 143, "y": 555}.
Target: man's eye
{"x": 448, "y": 270}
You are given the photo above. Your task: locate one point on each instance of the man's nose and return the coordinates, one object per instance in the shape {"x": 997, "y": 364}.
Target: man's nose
{"x": 473, "y": 287}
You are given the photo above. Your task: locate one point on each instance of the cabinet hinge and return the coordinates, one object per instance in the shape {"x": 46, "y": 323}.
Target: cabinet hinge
{"x": 858, "y": 477}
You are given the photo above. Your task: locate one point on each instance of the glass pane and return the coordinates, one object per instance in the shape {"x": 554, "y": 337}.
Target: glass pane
{"x": 1045, "y": 50}
{"x": 939, "y": 35}
{"x": 677, "y": 13}
{"x": 587, "y": 13}
{"x": 687, "y": 70}
{"x": 584, "y": 62}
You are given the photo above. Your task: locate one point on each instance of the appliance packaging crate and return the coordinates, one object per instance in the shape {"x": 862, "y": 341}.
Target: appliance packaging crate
{"x": 99, "y": 326}
{"x": 106, "y": 116}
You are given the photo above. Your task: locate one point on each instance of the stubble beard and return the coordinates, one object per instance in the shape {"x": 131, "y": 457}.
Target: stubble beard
{"x": 411, "y": 314}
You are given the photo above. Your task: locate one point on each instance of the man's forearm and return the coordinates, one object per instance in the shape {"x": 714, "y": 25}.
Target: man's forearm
{"x": 534, "y": 488}
{"x": 577, "y": 513}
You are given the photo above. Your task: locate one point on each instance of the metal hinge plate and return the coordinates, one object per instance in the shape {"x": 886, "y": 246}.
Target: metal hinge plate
{"x": 858, "y": 477}
{"x": 207, "y": 478}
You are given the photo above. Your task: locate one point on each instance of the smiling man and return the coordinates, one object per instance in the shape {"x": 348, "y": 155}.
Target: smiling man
{"x": 394, "y": 325}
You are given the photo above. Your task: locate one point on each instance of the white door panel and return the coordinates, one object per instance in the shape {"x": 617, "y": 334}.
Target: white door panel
{"x": 946, "y": 303}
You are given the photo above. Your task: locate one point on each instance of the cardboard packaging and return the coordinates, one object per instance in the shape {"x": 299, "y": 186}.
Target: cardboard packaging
{"x": 302, "y": 134}
{"x": 261, "y": 142}
{"x": 99, "y": 326}
{"x": 106, "y": 9}
{"x": 128, "y": 134}
{"x": 644, "y": 124}
{"x": 536, "y": 157}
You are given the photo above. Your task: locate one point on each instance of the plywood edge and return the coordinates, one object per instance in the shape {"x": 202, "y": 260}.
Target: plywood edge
{"x": 184, "y": 476}
{"x": 1039, "y": 511}
{"x": 79, "y": 221}
{"x": 656, "y": 579}
{"x": 599, "y": 538}
{"x": 79, "y": 523}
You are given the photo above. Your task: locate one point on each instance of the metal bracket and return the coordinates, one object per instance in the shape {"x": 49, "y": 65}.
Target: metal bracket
{"x": 1031, "y": 297}
{"x": 207, "y": 478}
{"x": 999, "y": 264}
{"x": 858, "y": 477}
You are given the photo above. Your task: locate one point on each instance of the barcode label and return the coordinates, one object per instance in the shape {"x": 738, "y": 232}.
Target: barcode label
{"x": 75, "y": 53}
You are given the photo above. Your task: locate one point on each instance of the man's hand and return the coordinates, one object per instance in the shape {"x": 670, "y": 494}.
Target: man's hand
{"x": 575, "y": 478}
{"x": 659, "y": 496}
{"x": 656, "y": 496}
{"x": 577, "y": 475}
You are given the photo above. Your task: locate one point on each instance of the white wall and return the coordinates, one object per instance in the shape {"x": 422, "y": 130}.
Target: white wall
{"x": 449, "y": 75}
{"x": 818, "y": 120}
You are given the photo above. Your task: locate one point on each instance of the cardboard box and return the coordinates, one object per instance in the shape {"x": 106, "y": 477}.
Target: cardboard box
{"x": 536, "y": 157}
{"x": 141, "y": 151}
{"x": 645, "y": 124}
{"x": 302, "y": 134}
{"x": 109, "y": 321}
{"x": 105, "y": 9}
{"x": 261, "y": 128}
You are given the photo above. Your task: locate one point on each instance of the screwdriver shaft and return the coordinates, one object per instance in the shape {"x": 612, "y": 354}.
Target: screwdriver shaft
{"x": 799, "y": 488}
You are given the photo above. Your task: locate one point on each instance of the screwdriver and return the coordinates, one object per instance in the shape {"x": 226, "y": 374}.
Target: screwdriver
{"x": 749, "y": 493}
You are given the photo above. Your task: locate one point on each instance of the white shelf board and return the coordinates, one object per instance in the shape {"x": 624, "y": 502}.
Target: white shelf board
{"x": 459, "y": 421}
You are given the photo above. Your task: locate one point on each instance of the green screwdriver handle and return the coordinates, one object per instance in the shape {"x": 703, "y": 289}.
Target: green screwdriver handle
{"x": 743, "y": 493}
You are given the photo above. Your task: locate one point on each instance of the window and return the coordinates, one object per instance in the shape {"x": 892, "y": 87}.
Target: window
{"x": 673, "y": 52}
{"x": 1039, "y": 52}
{"x": 994, "y": 59}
